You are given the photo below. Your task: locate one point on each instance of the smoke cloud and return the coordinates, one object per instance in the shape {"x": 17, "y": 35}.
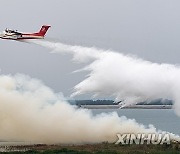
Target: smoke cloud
{"x": 125, "y": 77}
{"x": 32, "y": 112}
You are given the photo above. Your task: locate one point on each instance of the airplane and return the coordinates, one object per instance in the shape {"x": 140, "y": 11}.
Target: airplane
{"x": 15, "y": 35}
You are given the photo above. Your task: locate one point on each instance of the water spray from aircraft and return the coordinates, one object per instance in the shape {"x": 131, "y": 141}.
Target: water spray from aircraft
{"x": 125, "y": 77}
{"x": 32, "y": 112}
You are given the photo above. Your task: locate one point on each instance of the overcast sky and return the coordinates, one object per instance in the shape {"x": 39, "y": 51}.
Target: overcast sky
{"x": 149, "y": 29}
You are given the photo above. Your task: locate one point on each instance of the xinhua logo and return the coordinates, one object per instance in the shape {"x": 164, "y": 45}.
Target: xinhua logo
{"x": 143, "y": 139}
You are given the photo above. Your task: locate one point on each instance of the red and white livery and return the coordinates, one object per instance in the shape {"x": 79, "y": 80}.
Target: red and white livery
{"x": 15, "y": 35}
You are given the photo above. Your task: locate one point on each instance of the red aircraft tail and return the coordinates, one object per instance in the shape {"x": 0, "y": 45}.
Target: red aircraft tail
{"x": 43, "y": 30}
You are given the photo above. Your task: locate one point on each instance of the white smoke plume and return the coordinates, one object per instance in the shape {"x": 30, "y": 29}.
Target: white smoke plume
{"x": 125, "y": 77}
{"x": 32, "y": 112}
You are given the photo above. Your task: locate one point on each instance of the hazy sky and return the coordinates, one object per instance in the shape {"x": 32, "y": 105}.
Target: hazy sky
{"x": 149, "y": 29}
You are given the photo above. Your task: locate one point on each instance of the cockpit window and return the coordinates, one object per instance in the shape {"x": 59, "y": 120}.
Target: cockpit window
{"x": 9, "y": 31}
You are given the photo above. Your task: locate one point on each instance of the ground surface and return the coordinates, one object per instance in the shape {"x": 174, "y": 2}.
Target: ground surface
{"x": 104, "y": 148}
